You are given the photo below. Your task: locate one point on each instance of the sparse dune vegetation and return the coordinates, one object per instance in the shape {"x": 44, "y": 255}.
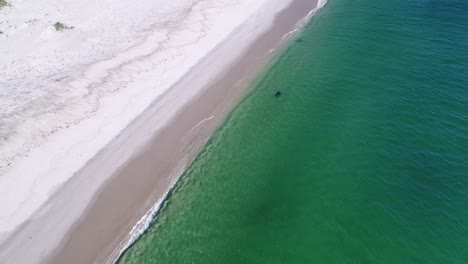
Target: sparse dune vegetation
{"x": 61, "y": 26}
{"x": 4, "y": 3}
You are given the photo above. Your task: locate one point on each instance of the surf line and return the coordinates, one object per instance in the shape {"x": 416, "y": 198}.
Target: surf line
{"x": 200, "y": 123}
{"x": 143, "y": 224}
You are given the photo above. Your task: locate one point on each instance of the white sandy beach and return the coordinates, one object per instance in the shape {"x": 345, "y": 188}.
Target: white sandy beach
{"x": 80, "y": 102}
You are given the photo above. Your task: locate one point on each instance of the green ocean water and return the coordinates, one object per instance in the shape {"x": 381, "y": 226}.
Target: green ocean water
{"x": 363, "y": 159}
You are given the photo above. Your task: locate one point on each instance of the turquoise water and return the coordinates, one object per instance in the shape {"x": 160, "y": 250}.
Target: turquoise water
{"x": 363, "y": 159}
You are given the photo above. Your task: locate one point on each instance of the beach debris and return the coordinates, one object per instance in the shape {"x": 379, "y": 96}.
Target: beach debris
{"x": 278, "y": 94}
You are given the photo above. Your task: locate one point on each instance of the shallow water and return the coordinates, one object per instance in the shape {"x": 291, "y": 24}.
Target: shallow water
{"x": 362, "y": 159}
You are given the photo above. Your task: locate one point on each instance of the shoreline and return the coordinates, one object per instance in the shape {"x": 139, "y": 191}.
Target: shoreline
{"x": 144, "y": 223}
{"x": 112, "y": 209}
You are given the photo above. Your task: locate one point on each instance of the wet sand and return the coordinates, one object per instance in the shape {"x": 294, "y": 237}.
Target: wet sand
{"x": 134, "y": 188}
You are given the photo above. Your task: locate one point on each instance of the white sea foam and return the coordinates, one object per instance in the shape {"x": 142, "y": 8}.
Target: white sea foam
{"x": 200, "y": 123}
{"x": 305, "y": 20}
{"x": 139, "y": 229}
{"x": 143, "y": 224}
{"x": 289, "y": 34}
